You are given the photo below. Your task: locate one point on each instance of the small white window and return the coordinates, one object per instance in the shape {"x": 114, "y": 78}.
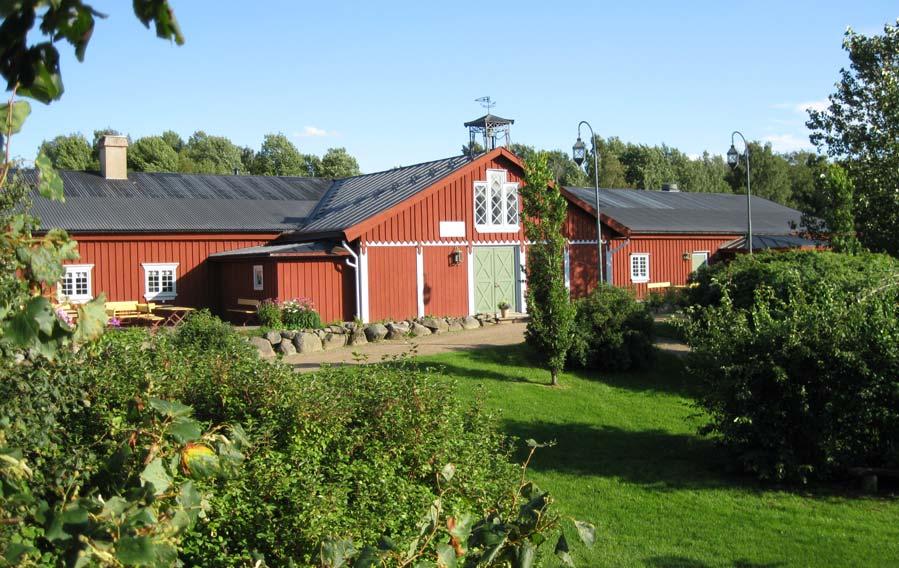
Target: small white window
{"x": 640, "y": 268}
{"x": 496, "y": 204}
{"x": 76, "y": 285}
{"x": 160, "y": 281}
{"x": 258, "y": 282}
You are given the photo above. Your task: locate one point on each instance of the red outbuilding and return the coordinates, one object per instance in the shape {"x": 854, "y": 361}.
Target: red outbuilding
{"x": 437, "y": 238}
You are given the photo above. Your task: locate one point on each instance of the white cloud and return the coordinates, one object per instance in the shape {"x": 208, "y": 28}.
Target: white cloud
{"x": 313, "y": 132}
{"x": 787, "y": 142}
{"x": 813, "y": 105}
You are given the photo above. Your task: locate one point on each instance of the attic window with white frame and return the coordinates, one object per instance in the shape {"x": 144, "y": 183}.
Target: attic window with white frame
{"x": 75, "y": 285}
{"x": 160, "y": 281}
{"x": 640, "y": 268}
{"x": 496, "y": 204}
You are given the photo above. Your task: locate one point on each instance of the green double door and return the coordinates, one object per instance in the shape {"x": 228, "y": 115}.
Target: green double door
{"x": 494, "y": 278}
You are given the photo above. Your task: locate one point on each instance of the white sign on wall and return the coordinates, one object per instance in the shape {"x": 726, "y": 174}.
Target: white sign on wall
{"x": 452, "y": 229}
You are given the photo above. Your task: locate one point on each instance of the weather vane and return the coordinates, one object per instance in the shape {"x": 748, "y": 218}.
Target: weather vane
{"x": 486, "y": 102}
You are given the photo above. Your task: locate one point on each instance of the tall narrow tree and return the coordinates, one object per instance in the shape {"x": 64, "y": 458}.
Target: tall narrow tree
{"x": 549, "y": 304}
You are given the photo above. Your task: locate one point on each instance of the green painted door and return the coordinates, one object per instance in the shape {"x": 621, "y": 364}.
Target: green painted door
{"x": 494, "y": 277}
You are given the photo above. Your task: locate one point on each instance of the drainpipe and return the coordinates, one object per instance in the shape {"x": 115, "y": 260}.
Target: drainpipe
{"x": 354, "y": 264}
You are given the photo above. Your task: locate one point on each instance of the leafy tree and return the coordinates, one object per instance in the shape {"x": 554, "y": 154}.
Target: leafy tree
{"x": 833, "y": 216}
{"x": 279, "y": 157}
{"x": 337, "y": 163}
{"x": 472, "y": 149}
{"x": 72, "y": 152}
{"x": 152, "y": 154}
{"x": 549, "y": 304}
{"x": 769, "y": 174}
{"x": 247, "y": 158}
{"x": 207, "y": 154}
{"x": 564, "y": 170}
{"x": 173, "y": 139}
{"x": 860, "y": 128}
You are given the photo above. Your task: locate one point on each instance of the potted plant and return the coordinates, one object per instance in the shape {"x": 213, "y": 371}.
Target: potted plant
{"x": 503, "y": 308}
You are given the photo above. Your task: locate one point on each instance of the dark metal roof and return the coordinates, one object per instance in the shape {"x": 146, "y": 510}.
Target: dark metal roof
{"x": 765, "y": 242}
{"x": 352, "y": 200}
{"x": 491, "y": 119}
{"x": 317, "y": 248}
{"x": 644, "y": 211}
{"x": 165, "y": 202}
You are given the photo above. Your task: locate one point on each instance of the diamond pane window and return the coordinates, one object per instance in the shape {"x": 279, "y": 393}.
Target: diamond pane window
{"x": 480, "y": 203}
{"x": 511, "y": 204}
{"x": 496, "y": 203}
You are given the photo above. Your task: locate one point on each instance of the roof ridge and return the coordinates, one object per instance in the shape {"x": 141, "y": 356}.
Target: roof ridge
{"x": 398, "y": 168}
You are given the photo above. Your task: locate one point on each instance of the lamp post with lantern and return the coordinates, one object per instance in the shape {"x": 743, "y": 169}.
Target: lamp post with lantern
{"x": 733, "y": 160}
{"x": 579, "y": 154}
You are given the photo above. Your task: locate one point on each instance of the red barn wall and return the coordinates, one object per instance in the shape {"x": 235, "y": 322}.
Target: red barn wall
{"x": 328, "y": 282}
{"x": 453, "y": 200}
{"x": 666, "y": 262}
{"x": 445, "y": 285}
{"x": 117, "y": 262}
{"x": 235, "y": 280}
{"x": 579, "y": 225}
{"x": 582, "y": 269}
{"x": 392, "y": 283}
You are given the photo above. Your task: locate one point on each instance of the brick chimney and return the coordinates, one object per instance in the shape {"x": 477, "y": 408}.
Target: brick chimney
{"x": 114, "y": 157}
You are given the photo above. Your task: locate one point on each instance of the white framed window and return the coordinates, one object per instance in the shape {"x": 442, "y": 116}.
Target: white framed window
{"x": 258, "y": 278}
{"x": 75, "y": 285}
{"x": 160, "y": 281}
{"x": 496, "y": 204}
{"x": 639, "y": 268}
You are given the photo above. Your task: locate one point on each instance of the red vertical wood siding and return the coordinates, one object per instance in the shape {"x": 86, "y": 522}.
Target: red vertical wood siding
{"x": 446, "y": 285}
{"x": 451, "y": 200}
{"x": 666, "y": 258}
{"x": 392, "y": 283}
{"x": 582, "y": 269}
{"x": 117, "y": 261}
{"x": 328, "y": 282}
{"x": 579, "y": 225}
{"x": 235, "y": 280}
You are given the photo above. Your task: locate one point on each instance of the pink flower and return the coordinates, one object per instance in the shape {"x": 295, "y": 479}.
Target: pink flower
{"x": 114, "y": 322}
{"x": 64, "y": 317}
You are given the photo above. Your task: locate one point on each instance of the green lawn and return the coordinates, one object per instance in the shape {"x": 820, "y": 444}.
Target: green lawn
{"x": 629, "y": 460}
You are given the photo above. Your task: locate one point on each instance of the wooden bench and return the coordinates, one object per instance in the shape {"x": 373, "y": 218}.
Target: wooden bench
{"x": 869, "y": 476}
{"x": 132, "y": 312}
{"x": 248, "y": 311}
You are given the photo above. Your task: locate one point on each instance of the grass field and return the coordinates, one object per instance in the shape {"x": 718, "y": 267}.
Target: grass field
{"x": 629, "y": 460}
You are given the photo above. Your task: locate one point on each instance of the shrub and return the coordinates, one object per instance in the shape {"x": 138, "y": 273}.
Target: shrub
{"x": 300, "y": 314}
{"x": 203, "y": 330}
{"x": 612, "y": 331}
{"x": 269, "y": 314}
{"x": 802, "y": 383}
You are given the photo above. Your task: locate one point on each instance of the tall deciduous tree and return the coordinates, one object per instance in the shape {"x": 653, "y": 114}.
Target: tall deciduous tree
{"x": 860, "y": 128}
{"x": 549, "y": 304}
{"x": 152, "y": 154}
{"x": 337, "y": 163}
{"x": 71, "y": 152}
{"x": 830, "y": 215}
{"x": 211, "y": 154}
{"x": 279, "y": 157}
{"x": 769, "y": 174}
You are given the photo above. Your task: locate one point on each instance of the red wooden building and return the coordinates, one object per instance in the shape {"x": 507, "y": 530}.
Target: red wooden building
{"x": 437, "y": 238}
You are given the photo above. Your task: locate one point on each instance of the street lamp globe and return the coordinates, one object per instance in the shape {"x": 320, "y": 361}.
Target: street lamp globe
{"x": 579, "y": 151}
{"x": 733, "y": 157}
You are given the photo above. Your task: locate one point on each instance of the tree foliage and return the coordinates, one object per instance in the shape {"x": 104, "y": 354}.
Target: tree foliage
{"x": 211, "y": 154}
{"x": 278, "y": 157}
{"x": 860, "y": 129}
{"x": 338, "y": 163}
{"x": 152, "y": 154}
{"x": 769, "y": 174}
{"x": 549, "y": 304}
{"x": 830, "y": 216}
{"x": 71, "y": 152}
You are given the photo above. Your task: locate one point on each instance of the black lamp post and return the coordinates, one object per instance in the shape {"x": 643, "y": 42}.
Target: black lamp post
{"x": 733, "y": 159}
{"x": 579, "y": 154}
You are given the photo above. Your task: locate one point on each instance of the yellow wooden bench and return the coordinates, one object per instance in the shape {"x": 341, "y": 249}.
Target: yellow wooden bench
{"x": 248, "y": 309}
{"x": 133, "y": 312}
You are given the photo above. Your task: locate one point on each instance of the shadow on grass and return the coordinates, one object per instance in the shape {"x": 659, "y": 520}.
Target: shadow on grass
{"x": 651, "y": 458}
{"x": 684, "y": 562}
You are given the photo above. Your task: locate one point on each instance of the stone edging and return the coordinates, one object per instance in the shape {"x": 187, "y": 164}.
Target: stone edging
{"x": 291, "y": 342}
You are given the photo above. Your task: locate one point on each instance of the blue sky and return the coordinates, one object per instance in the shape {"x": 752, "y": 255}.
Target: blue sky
{"x": 394, "y": 81}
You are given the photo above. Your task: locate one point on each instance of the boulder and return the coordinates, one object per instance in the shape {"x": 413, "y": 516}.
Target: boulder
{"x": 455, "y": 325}
{"x": 417, "y": 330}
{"x": 306, "y": 342}
{"x": 288, "y": 334}
{"x": 436, "y": 325}
{"x": 357, "y": 337}
{"x": 286, "y": 347}
{"x": 336, "y": 329}
{"x": 397, "y": 330}
{"x": 263, "y": 346}
{"x": 470, "y": 323}
{"x": 375, "y": 332}
{"x": 333, "y": 341}
{"x": 273, "y": 337}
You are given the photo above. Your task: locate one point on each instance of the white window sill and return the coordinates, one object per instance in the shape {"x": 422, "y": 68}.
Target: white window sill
{"x": 497, "y": 228}
{"x": 75, "y": 299}
{"x": 640, "y": 281}
{"x": 160, "y": 297}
